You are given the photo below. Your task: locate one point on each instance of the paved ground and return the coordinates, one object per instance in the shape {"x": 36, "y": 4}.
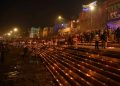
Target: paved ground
{"x": 27, "y": 72}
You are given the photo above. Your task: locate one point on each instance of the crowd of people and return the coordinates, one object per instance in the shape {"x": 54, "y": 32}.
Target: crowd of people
{"x": 4, "y": 49}
{"x": 96, "y": 37}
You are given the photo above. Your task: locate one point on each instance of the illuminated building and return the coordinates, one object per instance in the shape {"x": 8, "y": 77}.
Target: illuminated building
{"x": 107, "y": 13}
{"x": 59, "y": 26}
{"x": 65, "y": 31}
{"x": 88, "y": 16}
{"x": 112, "y": 10}
{"x": 84, "y": 21}
{"x": 34, "y": 32}
{"x": 45, "y": 32}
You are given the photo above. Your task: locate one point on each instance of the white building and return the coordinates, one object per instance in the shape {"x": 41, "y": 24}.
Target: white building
{"x": 34, "y": 32}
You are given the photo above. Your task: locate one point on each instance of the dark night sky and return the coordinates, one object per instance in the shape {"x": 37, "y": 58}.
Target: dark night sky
{"x": 27, "y": 13}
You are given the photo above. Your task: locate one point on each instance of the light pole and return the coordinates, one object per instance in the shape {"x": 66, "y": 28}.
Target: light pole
{"x": 89, "y": 8}
{"x": 92, "y": 8}
{"x": 60, "y": 21}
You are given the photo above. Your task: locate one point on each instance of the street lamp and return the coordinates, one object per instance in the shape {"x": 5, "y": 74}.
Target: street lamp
{"x": 92, "y": 7}
{"x": 15, "y": 29}
{"x": 60, "y": 18}
{"x": 11, "y": 31}
{"x": 9, "y": 34}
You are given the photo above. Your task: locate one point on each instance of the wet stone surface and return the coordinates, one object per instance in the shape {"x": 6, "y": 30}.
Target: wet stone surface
{"x": 30, "y": 72}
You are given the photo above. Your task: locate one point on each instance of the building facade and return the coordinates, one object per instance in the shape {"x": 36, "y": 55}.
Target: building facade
{"x": 34, "y": 32}
{"x": 105, "y": 14}
{"x": 89, "y": 17}
{"x": 112, "y": 10}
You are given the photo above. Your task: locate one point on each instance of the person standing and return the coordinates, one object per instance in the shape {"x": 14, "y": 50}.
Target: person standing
{"x": 2, "y": 53}
{"x": 97, "y": 42}
{"x": 25, "y": 50}
{"x": 104, "y": 40}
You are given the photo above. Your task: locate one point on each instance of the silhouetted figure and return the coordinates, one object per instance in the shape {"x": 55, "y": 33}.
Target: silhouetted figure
{"x": 25, "y": 51}
{"x": 118, "y": 35}
{"x": 104, "y": 40}
{"x": 70, "y": 42}
{"x": 97, "y": 42}
{"x": 2, "y": 53}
